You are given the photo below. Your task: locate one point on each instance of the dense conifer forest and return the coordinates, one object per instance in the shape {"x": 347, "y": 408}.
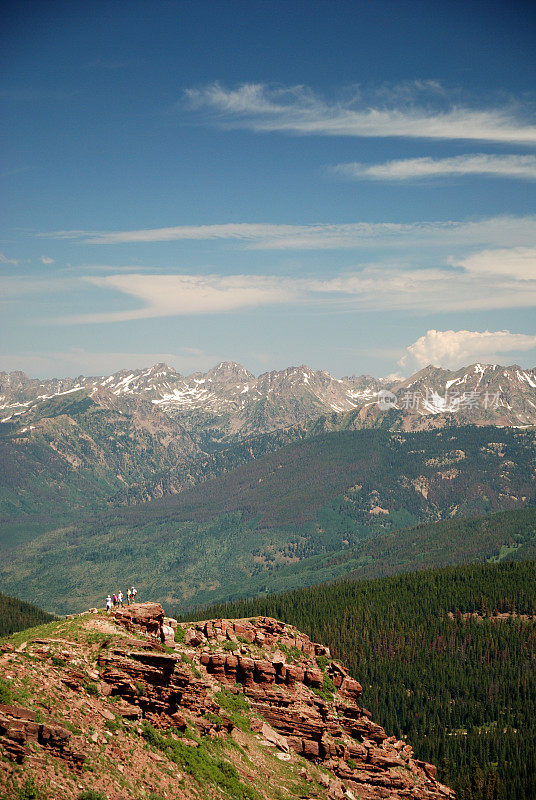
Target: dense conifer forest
{"x": 447, "y": 659}
{"x": 16, "y": 615}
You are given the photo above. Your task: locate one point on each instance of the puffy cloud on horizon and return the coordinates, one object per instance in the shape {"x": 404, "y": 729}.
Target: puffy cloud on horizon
{"x": 46, "y": 260}
{"x": 502, "y": 166}
{"x": 455, "y": 349}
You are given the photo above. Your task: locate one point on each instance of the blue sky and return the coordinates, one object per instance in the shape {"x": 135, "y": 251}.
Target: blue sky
{"x": 347, "y": 185}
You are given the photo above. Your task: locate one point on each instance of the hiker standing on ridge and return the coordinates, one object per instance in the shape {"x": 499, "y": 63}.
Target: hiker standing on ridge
{"x": 120, "y": 598}
{"x": 108, "y": 604}
{"x": 133, "y": 592}
{"x": 129, "y": 596}
{"x": 115, "y": 600}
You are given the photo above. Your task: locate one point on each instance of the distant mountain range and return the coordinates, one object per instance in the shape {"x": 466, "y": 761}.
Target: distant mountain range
{"x": 328, "y": 506}
{"x": 74, "y": 444}
{"x": 229, "y": 402}
{"x": 250, "y": 477}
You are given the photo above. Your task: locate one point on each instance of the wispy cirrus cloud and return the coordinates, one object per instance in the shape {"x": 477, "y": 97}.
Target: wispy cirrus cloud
{"x": 518, "y": 262}
{"x": 411, "y": 169}
{"x": 479, "y": 283}
{"x": 298, "y": 110}
{"x": 495, "y": 231}
{"x": 178, "y": 295}
{"x": 483, "y": 280}
{"x": 455, "y": 349}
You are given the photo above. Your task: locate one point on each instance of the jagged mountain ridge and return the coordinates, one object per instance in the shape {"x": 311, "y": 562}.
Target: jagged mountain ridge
{"x": 229, "y": 401}
{"x": 227, "y": 396}
{"x": 137, "y": 435}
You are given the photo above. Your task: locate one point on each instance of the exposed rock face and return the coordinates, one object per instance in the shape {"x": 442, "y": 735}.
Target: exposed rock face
{"x": 331, "y": 730}
{"x": 18, "y": 727}
{"x": 294, "y": 698}
{"x": 149, "y": 618}
{"x": 276, "y": 668}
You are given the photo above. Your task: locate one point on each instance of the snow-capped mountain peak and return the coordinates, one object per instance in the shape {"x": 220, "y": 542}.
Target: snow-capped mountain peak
{"x": 241, "y": 401}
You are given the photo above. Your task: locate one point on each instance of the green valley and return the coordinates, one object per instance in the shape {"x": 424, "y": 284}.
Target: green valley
{"x": 311, "y": 511}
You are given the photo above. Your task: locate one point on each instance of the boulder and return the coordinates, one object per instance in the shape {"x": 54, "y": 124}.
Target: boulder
{"x": 245, "y": 670}
{"x": 351, "y": 688}
{"x": 274, "y": 738}
{"x": 167, "y": 635}
{"x": 294, "y": 674}
{"x": 244, "y": 630}
{"x": 193, "y": 637}
{"x": 147, "y": 616}
{"x": 231, "y": 666}
{"x": 311, "y": 749}
{"x": 264, "y": 672}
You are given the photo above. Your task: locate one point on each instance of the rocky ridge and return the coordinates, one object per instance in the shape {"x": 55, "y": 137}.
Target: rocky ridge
{"x": 135, "y": 702}
{"x": 229, "y": 400}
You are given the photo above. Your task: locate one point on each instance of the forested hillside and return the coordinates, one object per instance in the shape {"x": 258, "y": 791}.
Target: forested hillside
{"x": 447, "y": 658}
{"x": 311, "y": 511}
{"x": 15, "y": 615}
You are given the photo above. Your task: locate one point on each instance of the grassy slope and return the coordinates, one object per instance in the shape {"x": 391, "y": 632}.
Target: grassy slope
{"x": 136, "y": 761}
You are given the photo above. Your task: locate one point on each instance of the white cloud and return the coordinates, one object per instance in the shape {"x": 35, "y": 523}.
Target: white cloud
{"x": 421, "y": 290}
{"x": 455, "y": 349}
{"x": 486, "y": 279}
{"x": 495, "y": 231}
{"x": 46, "y": 260}
{"x": 516, "y": 261}
{"x": 5, "y": 260}
{"x": 170, "y": 295}
{"x": 378, "y": 287}
{"x": 298, "y": 110}
{"x": 509, "y": 166}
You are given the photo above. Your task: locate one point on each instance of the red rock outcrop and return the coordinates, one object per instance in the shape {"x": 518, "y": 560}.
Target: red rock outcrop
{"x": 18, "y": 727}
{"x": 156, "y": 684}
{"x": 312, "y": 710}
{"x": 300, "y": 700}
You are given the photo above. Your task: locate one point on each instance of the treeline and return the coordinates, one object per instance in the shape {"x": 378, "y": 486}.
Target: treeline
{"x": 461, "y": 689}
{"x": 16, "y": 615}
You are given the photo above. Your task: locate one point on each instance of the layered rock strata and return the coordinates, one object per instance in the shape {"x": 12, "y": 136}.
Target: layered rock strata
{"x": 292, "y": 695}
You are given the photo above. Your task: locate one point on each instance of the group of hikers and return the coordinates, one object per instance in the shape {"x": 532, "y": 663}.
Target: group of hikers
{"x": 112, "y": 601}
